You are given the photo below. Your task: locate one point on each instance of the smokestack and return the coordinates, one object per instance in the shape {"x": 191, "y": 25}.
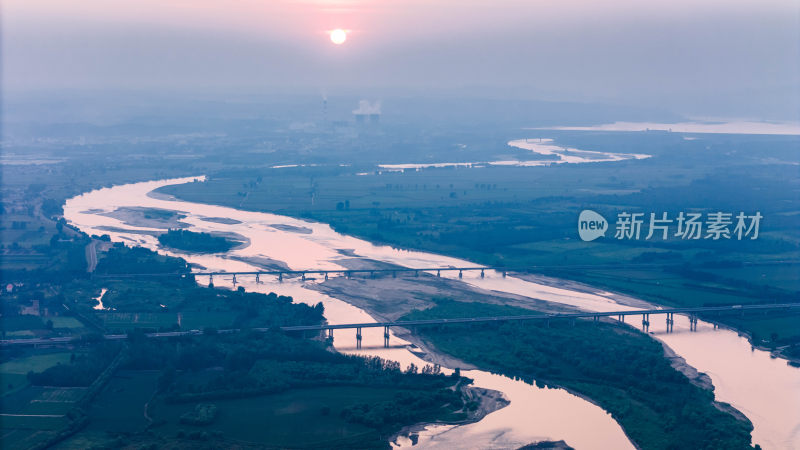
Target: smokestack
{"x": 324, "y": 107}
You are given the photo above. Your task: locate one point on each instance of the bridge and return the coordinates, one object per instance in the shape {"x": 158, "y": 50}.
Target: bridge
{"x": 324, "y": 272}
{"x": 571, "y": 317}
{"x": 348, "y": 273}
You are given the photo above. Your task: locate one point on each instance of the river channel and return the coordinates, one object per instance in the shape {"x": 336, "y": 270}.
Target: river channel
{"x": 765, "y": 389}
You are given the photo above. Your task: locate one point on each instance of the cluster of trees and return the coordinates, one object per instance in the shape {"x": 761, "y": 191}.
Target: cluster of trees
{"x": 203, "y": 414}
{"x": 406, "y": 407}
{"x": 252, "y": 363}
{"x": 131, "y": 260}
{"x": 64, "y": 261}
{"x": 195, "y": 242}
{"x": 180, "y": 293}
{"x": 251, "y": 309}
{"x": 52, "y": 207}
{"x": 793, "y": 351}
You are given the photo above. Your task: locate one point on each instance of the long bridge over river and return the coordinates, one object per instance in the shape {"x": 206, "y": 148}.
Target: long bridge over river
{"x": 571, "y": 317}
{"x": 280, "y": 273}
{"x": 394, "y": 271}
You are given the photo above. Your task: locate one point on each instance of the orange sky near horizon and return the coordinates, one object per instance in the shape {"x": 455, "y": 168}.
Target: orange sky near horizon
{"x": 397, "y": 19}
{"x": 656, "y": 51}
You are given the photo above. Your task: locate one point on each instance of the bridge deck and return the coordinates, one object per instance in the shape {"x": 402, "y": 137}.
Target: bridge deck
{"x": 431, "y": 322}
{"x": 578, "y": 315}
{"x": 400, "y": 269}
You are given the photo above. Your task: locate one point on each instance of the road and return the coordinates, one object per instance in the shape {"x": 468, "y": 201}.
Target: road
{"x": 91, "y": 256}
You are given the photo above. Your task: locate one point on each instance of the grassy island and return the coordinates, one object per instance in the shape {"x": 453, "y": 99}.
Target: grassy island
{"x": 196, "y": 242}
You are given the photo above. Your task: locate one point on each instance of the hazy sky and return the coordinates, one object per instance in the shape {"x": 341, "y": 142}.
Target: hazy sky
{"x": 725, "y": 58}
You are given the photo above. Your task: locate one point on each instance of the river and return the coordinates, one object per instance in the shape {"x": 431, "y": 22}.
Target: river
{"x": 542, "y": 146}
{"x": 767, "y": 390}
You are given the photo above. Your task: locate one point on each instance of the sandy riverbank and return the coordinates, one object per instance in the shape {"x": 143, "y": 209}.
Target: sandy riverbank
{"x": 148, "y": 217}
{"x": 387, "y": 298}
{"x": 488, "y": 401}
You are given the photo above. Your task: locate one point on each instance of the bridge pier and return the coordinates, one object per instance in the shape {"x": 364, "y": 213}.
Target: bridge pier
{"x": 504, "y": 274}
{"x": 211, "y": 280}
{"x": 386, "y": 336}
{"x": 234, "y": 279}
{"x": 646, "y": 322}
{"x": 670, "y": 322}
{"x": 280, "y": 277}
{"x": 416, "y": 273}
{"x": 692, "y": 322}
{"x": 460, "y": 273}
{"x": 257, "y": 280}
{"x": 358, "y": 337}
{"x": 372, "y": 274}
{"x": 481, "y": 273}
{"x": 596, "y": 319}
{"x": 330, "y": 335}
{"x": 303, "y": 276}
{"x": 347, "y": 275}
{"x": 621, "y": 318}
{"x": 438, "y": 273}
{"x": 326, "y": 275}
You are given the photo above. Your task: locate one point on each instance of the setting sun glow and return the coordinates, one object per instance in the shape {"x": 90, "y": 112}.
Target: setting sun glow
{"x": 338, "y": 36}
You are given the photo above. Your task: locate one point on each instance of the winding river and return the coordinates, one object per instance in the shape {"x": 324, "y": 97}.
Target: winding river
{"x": 542, "y": 146}
{"x": 766, "y": 390}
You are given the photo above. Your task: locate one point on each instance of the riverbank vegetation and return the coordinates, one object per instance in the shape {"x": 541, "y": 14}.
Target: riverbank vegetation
{"x": 210, "y": 389}
{"x": 252, "y": 388}
{"x": 192, "y": 241}
{"x": 620, "y": 369}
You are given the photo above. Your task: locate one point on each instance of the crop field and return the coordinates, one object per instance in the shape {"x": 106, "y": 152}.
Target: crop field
{"x": 66, "y": 322}
{"x": 34, "y": 414}
{"x": 28, "y": 432}
{"x": 22, "y": 323}
{"x": 120, "y": 406}
{"x": 13, "y": 373}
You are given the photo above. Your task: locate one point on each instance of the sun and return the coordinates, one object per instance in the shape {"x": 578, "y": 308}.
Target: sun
{"x": 338, "y": 36}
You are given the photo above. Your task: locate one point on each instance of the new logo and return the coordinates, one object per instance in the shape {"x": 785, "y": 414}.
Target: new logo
{"x": 591, "y": 225}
